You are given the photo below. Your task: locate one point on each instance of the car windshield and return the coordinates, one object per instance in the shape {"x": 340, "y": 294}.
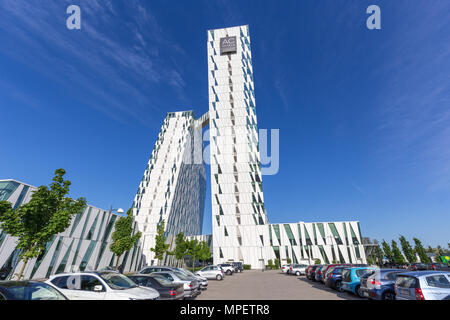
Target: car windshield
{"x": 35, "y": 291}
{"x": 117, "y": 281}
{"x": 181, "y": 276}
{"x": 162, "y": 280}
{"x": 187, "y": 272}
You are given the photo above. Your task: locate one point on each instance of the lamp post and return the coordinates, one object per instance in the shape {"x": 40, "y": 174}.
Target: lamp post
{"x": 119, "y": 210}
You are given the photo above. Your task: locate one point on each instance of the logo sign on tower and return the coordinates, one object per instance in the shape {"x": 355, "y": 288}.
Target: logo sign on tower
{"x": 228, "y": 45}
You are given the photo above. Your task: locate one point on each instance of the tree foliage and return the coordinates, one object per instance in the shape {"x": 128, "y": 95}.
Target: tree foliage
{"x": 161, "y": 247}
{"x": 397, "y": 254}
{"x": 193, "y": 250}
{"x": 204, "y": 253}
{"x": 122, "y": 237}
{"x": 408, "y": 251}
{"x": 180, "y": 247}
{"x": 387, "y": 251}
{"x": 48, "y": 213}
{"x": 421, "y": 251}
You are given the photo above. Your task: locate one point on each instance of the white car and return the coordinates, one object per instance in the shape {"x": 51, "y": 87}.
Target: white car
{"x": 285, "y": 268}
{"x": 211, "y": 272}
{"x": 100, "y": 286}
{"x": 227, "y": 268}
{"x": 298, "y": 269}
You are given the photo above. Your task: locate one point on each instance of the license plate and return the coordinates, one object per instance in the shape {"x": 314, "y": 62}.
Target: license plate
{"x": 404, "y": 292}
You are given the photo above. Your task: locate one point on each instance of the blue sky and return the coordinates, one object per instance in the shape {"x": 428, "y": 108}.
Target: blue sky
{"x": 364, "y": 115}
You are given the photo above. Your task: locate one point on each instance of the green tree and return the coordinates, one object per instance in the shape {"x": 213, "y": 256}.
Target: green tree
{"x": 421, "y": 251}
{"x": 48, "y": 213}
{"x": 161, "y": 247}
{"x": 180, "y": 247}
{"x": 408, "y": 251}
{"x": 122, "y": 237}
{"x": 387, "y": 251}
{"x": 397, "y": 254}
{"x": 277, "y": 263}
{"x": 193, "y": 250}
{"x": 270, "y": 264}
{"x": 317, "y": 261}
{"x": 288, "y": 260}
{"x": 204, "y": 252}
{"x": 439, "y": 252}
{"x": 378, "y": 253}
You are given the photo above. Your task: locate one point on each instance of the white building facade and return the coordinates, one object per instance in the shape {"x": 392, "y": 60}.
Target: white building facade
{"x": 173, "y": 186}
{"x": 84, "y": 246}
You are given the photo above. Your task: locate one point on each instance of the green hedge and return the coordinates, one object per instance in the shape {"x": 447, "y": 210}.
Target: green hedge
{"x": 246, "y": 267}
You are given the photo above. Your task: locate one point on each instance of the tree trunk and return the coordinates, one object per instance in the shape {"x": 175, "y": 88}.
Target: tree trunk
{"x": 117, "y": 264}
{"x": 23, "y": 268}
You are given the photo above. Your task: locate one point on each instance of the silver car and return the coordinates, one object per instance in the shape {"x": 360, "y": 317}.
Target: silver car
{"x": 202, "y": 280}
{"x": 422, "y": 285}
{"x": 211, "y": 272}
{"x": 298, "y": 269}
{"x": 190, "y": 284}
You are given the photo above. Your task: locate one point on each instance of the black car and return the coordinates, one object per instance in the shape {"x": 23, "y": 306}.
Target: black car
{"x": 312, "y": 272}
{"x": 418, "y": 267}
{"x": 29, "y": 290}
{"x": 167, "y": 290}
{"x": 237, "y": 266}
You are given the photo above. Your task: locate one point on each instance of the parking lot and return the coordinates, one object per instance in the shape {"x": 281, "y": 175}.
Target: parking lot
{"x": 269, "y": 285}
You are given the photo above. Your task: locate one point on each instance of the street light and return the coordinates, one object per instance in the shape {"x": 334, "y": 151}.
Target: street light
{"x": 119, "y": 211}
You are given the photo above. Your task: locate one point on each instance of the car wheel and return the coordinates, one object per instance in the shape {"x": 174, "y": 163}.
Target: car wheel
{"x": 389, "y": 296}
{"x": 359, "y": 292}
{"x": 297, "y": 273}
{"x": 219, "y": 277}
{"x": 339, "y": 286}
{"x": 228, "y": 272}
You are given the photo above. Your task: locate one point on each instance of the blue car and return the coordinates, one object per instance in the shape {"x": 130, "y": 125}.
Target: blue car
{"x": 351, "y": 279}
{"x": 334, "y": 278}
{"x": 380, "y": 285}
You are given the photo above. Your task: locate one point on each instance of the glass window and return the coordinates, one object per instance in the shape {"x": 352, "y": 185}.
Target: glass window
{"x": 361, "y": 272}
{"x": 438, "y": 281}
{"x": 7, "y": 188}
{"x": 407, "y": 282}
{"x": 35, "y": 291}
{"x": 61, "y": 282}
{"x": 162, "y": 280}
{"x": 117, "y": 281}
{"x": 88, "y": 283}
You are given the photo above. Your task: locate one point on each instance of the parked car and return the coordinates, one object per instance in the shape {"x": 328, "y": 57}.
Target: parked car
{"x": 238, "y": 266}
{"x": 285, "y": 268}
{"x": 351, "y": 279}
{"x": 211, "y": 272}
{"x": 380, "y": 285}
{"x": 333, "y": 278}
{"x": 422, "y": 285}
{"x": 105, "y": 285}
{"x": 29, "y": 290}
{"x": 318, "y": 273}
{"x": 166, "y": 289}
{"x": 312, "y": 272}
{"x": 439, "y": 266}
{"x": 298, "y": 269}
{"x": 201, "y": 280}
{"x": 307, "y": 271}
{"x": 190, "y": 284}
{"x": 227, "y": 268}
{"x": 152, "y": 269}
{"x": 417, "y": 266}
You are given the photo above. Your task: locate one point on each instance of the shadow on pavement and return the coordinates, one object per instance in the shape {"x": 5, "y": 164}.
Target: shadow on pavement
{"x": 321, "y": 286}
